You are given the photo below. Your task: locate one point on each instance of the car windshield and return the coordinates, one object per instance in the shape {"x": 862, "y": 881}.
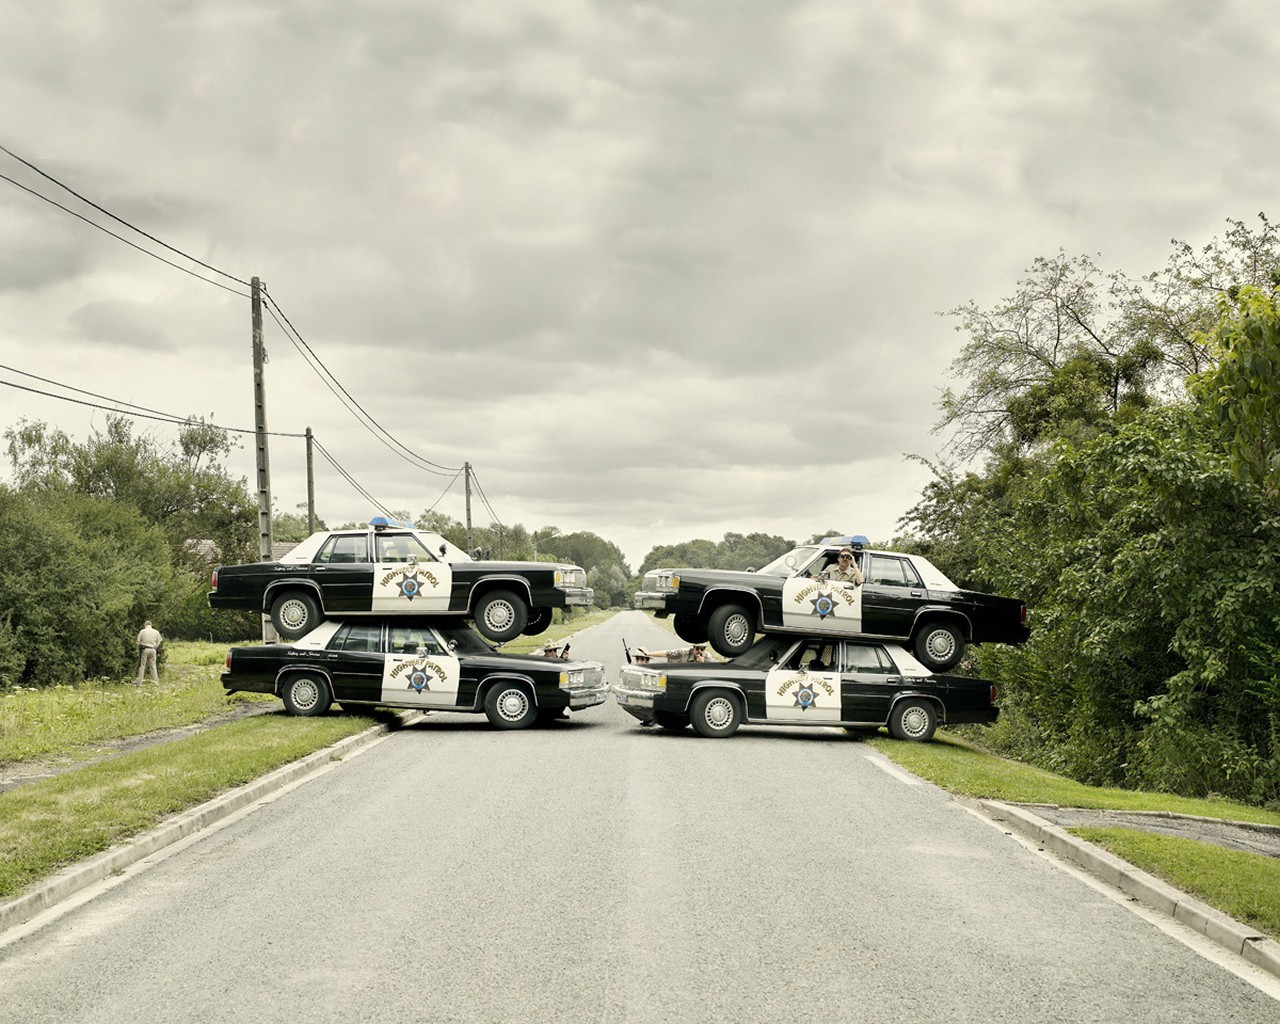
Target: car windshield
{"x": 764, "y": 652}
{"x": 465, "y": 640}
{"x": 798, "y": 557}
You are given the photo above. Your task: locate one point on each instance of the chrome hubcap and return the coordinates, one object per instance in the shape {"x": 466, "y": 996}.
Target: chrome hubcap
{"x": 719, "y": 712}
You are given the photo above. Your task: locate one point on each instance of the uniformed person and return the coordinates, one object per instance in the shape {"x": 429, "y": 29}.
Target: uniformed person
{"x": 697, "y": 652}
{"x": 845, "y": 569}
{"x": 149, "y": 641}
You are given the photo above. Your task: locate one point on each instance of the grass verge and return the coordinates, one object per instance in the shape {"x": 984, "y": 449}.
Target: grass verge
{"x": 47, "y": 825}
{"x": 1244, "y": 885}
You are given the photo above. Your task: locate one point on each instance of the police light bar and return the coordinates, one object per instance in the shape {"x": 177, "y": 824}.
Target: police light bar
{"x": 857, "y": 540}
{"x": 380, "y": 522}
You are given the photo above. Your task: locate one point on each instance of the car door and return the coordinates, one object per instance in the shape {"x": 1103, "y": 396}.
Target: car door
{"x": 892, "y": 593}
{"x": 408, "y": 578}
{"x": 353, "y": 657}
{"x": 420, "y": 671}
{"x": 804, "y": 686}
{"x": 817, "y": 605}
{"x": 344, "y": 573}
{"x": 868, "y": 682}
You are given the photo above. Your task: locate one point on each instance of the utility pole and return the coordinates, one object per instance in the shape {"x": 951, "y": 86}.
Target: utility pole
{"x": 466, "y": 468}
{"x": 260, "y": 436}
{"x": 311, "y": 488}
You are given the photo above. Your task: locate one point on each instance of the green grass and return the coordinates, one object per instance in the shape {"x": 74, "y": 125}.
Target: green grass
{"x": 52, "y": 723}
{"x": 576, "y": 623}
{"x": 49, "y": 824}
{"x": 1245, "y": 886}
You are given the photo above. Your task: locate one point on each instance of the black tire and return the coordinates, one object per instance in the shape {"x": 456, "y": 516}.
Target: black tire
{"x": 501, "y": 616}
{"x": 539, "y": 620}
{"x": 730, "y": 630}
{"x": 510, "y": 706}
{"x": 690, "y": 629}
{"x": 715, "y": 713}
{"x": 672, "y": 721}
{"x": 295, "y": 613}
{"x": 305, "y": 694}
{"x": 939, "y": 645}
{"x": 913, "y": 719}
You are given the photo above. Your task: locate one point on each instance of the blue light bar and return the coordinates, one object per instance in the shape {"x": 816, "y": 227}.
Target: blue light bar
{"x": 378, "y": 522}
{"x": 857, "y": 540}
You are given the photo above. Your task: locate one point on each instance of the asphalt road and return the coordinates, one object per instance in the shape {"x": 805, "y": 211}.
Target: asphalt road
{"x": 597, "y": 871}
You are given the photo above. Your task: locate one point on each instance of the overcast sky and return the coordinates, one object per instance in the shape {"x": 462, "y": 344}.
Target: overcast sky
{"x": 658, "y": 271}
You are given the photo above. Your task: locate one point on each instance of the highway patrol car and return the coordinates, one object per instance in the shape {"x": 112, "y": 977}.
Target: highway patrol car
{"x": 814, "y": 680}
{"x": 413, "y": 663}
{"x": 904, "y": 598}
{"x": 390, "y": 568}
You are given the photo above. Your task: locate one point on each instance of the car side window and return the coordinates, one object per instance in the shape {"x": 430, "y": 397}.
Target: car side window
{"x": 861, "y": 658}
{"x": 344, "y": 549}
{"x": 414, "y": 640}
{"x": 401, "y": 547}
{"x": 814, "y": 656}
{"x": 356, "y": 636}
{"x": 892, "y": 572}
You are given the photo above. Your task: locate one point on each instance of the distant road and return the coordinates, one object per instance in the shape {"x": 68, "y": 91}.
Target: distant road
{"x": 595, "y": 871}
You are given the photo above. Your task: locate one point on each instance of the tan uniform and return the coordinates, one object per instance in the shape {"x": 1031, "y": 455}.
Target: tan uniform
{"x": 851, "y": 575}
{"x": 149, "y": 640}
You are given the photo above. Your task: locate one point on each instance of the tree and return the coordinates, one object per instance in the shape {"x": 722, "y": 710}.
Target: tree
{"x": 1243, "y": 387}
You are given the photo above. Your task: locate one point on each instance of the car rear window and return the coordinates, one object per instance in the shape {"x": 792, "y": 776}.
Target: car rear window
{"x": 348, "y": 548}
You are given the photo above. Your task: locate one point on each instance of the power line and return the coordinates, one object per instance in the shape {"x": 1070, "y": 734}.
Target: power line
{"x": 493, "y": 515}
{"x": 383, "y": 435}
{"x": 147, "y": 414}
{"x": 119, "y": 220}
{"x": 351, "y": 480}
{"x": 448, "y": 488}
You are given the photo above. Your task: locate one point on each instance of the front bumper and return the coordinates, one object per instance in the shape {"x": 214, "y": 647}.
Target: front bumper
{"x": 651, "y": 601}
{"x": 586, "y": 696}
{"x": 577, "y": 597}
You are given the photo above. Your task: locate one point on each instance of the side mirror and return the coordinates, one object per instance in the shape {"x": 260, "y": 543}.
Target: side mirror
{"x": 444, "y": 549}
{"x": 453, "y": 645}
{"x": 790, "y": 561}
{"x": 477, "y": 554}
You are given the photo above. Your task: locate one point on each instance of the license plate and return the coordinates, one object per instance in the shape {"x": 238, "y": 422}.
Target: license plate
{"x": 621, "y": 697}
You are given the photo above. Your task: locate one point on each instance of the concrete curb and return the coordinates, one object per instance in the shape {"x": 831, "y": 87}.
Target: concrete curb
{"x": 80, "y": 876}
{"x": 1258, "y": 950}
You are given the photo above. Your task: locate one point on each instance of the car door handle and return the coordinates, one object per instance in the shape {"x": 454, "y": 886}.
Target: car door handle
{"x": 321, "y": 568}
{"x": 917, "y": 593}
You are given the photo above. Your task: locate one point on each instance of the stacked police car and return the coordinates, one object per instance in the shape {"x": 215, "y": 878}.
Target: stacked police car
{"x": 833, "y": 653}
{"x": 376, "y": 616}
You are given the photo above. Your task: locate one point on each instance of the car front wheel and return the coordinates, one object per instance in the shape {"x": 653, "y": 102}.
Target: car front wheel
{"x": 913, "y": 720}
{"x": 501, "y": 615}
{"x": 510, "y": 706}
{"x": 295, "y": 614}
{"x": 731, "y": 630}
{"x": 939, "y": 645}
{"x": 306, "y": 695}
{"x": 539, "y": 620}
{"x": 715, "y": 714}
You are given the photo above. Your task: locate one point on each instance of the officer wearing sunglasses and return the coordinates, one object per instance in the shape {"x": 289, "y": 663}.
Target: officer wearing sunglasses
{"x": 845, "y": 569}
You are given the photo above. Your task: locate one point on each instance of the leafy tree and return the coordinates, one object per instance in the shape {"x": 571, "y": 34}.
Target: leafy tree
{"x": 734, "y": 551}
{"x": 77, "y": 578}
{"x": 1243, "y": 387}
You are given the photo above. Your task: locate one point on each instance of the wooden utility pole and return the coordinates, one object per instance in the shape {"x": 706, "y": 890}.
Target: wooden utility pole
{"x": 311, "y": 488}
{"x": 260, "y": 442}
{"x": 466, "y": 468}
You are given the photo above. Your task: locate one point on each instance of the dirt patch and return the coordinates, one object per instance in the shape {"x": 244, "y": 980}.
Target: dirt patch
{"x": 20, "y": 772}
{"x": 1234, "y": 835}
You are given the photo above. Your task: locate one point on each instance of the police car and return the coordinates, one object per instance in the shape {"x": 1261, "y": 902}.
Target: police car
{"x": 805, "y": 681}
{"x": 904, "y": 598}
{"x": 434, "y": 665}
{"x": 390, "y": 568}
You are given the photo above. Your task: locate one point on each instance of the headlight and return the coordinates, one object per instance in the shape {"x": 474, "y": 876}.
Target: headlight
{"x": 662, "y": 581}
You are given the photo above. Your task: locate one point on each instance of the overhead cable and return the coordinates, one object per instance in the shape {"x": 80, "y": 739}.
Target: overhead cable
{"x": 352, "y": 480}
{"x": 119, "y": 220}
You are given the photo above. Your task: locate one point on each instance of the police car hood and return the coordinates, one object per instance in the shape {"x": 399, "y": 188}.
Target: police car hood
{"x": 489, "y": 565}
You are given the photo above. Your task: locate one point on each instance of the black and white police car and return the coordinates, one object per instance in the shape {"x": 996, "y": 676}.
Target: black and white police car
{"x": 805, "y": 681}
{"x": 390, "y": 568}
{"x": 904, "y": 598}
{"x": 427, "y": 664}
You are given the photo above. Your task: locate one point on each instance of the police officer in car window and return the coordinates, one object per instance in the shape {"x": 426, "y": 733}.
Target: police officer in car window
{"x": 845, "y": 569}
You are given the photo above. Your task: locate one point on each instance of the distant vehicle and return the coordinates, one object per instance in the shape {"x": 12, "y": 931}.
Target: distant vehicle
{"x": 813, "y": 680}
{"x": 389, "y": 568}
{"x": 905, "y": 598}
{"x": 437, "y": 665}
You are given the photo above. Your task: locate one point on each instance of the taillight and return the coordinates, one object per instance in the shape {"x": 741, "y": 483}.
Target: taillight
{"x": 1024, "y": 607}
{"x": 993, "y": 689}
{"x": 215, "y": 587}
{"x": 992, "y": 697}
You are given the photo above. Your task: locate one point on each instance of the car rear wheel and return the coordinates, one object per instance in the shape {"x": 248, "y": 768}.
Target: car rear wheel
{"x": 715, "y": 714}
{"x": 913, "y": 720}
{"x": 730, "y": 630}
{"x": 294, "y": 614}
{"x": 501, "y": 615}
{"x": 671, "y": 720}
{"x": 689, "y": 629}
{"x": 539, "y": 620}
{"x": 939, "y": 645}
{"x": 510, "y": 706}
{"x": 306, "y": 695}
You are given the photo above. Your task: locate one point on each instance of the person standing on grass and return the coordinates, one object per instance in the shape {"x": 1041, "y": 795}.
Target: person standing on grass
{"x": 149, "y": 641}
